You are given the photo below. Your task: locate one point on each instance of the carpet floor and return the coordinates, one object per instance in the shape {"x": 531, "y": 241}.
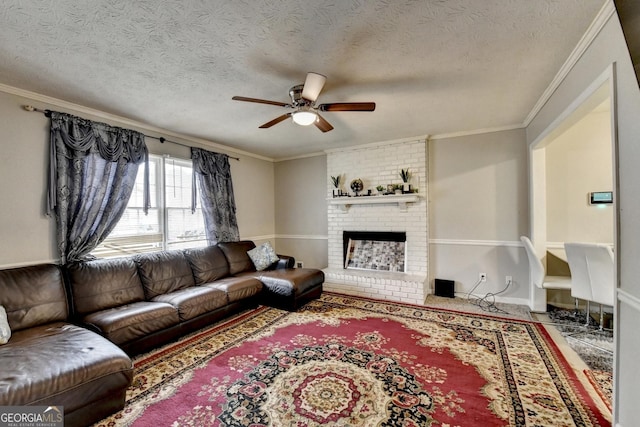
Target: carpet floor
{"x": 348, "y": 361}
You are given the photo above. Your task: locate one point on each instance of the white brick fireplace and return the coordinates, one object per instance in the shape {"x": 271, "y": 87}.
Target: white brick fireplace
{"x": 379, "y": 164}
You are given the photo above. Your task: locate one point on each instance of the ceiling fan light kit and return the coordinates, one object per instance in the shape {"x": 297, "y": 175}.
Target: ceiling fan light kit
{"x": 304, "y": 117}
{"x": 303, "y": 103}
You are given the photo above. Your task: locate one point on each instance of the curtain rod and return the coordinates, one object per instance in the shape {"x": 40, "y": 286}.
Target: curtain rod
{"x": 161, "y": 139}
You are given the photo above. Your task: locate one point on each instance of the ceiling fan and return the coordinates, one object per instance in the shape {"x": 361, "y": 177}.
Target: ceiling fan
{"x": 304, "y": 110}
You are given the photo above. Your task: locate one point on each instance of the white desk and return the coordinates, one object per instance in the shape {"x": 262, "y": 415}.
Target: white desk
{"x": 557, "y": 249}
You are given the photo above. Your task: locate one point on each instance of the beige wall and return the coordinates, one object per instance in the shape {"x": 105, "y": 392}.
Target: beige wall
{"x": 578, "y": 162}
{"x": 254, "y": 193}
{"x": 301, "y": 209}
{"x": 478, "y": 186}
{"x": 478, "y": 208}
{"x": 27, "y": 236}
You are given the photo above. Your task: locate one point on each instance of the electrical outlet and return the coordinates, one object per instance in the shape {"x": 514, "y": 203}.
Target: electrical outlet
{"x": 299, "y": 264}
{"x": 508, "y": 280}
{"x": 482, "y": 277}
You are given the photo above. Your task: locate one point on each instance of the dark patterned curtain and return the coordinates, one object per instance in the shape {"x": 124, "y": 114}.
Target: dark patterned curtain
{"x": 93, "y": 168}
{"x": 213, "y": 174}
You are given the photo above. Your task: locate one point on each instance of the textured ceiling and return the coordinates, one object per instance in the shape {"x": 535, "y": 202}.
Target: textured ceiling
{"x": 431, "y": 66}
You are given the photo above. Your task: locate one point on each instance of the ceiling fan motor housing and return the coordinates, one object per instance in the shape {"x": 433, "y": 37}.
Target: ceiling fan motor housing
{"x": 296, "y": 96}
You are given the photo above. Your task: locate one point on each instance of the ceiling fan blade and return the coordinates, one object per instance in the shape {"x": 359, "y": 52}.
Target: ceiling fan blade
{"x": 312, "y": 86}
{"x": 322, "y": 124}
{"x": 259, "y": 101}
{"x": 348, "y": 106}
{"x": 275, "y": 121}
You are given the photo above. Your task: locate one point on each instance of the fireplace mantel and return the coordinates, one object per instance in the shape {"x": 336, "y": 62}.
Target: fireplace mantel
{"x": 399, "y": 199}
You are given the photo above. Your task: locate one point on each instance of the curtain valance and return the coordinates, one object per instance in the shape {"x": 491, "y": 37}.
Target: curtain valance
{"x": 74, "y": 137}
{"x": 85, "y": 136}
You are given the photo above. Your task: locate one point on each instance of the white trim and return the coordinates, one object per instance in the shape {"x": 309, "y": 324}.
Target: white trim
{"x": 460, "y": 242}
{"x": 607, "y": 75}
{"x": 511, "y": 300}
{"x": 301, "y": 156}
{"x": 254, "y": 238}
{"x": 594, "y": 29}
{"x": 627, "y": 298}
{"x": 555, "y": 245}
{"x": 302, "y": 236}
{"x": 123, "y": 120}
{"x": 560, "y": 245}
{"x": 476, "y": 132}
{"x": 30, "y": 263}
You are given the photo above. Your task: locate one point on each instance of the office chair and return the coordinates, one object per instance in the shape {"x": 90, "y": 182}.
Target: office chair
{"x": 537, "y": 273}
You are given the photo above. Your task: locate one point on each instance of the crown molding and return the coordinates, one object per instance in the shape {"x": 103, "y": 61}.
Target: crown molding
{"x": 301, "y": 156}
{"x": 422, "y": 139}
{"x": 603, "y": 16}
{"x": 475, "y": 132}
{"x": 60, "y": 103}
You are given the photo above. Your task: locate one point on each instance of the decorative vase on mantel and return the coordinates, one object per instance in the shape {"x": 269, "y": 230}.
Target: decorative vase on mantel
{"x": 406, "y": 176}
{"x": 336, "y": 185}
{"x": 357, "y": 185}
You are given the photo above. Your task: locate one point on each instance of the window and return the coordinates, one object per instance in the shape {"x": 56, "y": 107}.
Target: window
{"x": 169, "y": 223}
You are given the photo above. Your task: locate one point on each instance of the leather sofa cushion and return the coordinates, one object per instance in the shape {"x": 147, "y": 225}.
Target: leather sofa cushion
{"x": 61, "y": 364}
{"x": 208, "y": 264}
{"x": 33, "y": 296}
{"x": 164, "y": 272}
{"x": 290, "y": 282}
{"x": 237, "y": 288}
{"x": 102, "y": 284}
{"x": 132, "y": 321}
{"x": 236, "y": 254}
{"x": 194, "y": 301}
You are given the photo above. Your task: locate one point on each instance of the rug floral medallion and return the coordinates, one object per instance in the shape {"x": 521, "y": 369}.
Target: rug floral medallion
{"x": 348, "y": 361}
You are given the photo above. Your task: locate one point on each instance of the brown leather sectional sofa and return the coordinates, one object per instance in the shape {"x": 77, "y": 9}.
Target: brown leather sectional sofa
{"x": 74, "y": 327}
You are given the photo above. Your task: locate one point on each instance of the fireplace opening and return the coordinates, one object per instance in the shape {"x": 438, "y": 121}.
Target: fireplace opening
{"x": 374, "y": 250}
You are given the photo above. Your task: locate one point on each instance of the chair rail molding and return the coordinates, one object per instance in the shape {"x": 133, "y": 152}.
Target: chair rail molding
{"x": 303, "y": 236}
{"x": 627, "y": 298}
{"x": 461, "y": 242}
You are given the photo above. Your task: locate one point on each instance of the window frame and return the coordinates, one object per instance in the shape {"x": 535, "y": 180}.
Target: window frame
{"x": 125, "y": 245}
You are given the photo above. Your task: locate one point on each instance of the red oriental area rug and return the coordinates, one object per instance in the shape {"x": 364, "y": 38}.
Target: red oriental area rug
{"x": 348, "y": 361}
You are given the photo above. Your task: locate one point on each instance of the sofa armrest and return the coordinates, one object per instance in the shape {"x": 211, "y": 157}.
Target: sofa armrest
{"x": 285, "y": 261}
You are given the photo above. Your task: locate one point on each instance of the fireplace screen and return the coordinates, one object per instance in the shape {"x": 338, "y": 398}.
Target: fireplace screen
{"x": 375, "y": 255}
